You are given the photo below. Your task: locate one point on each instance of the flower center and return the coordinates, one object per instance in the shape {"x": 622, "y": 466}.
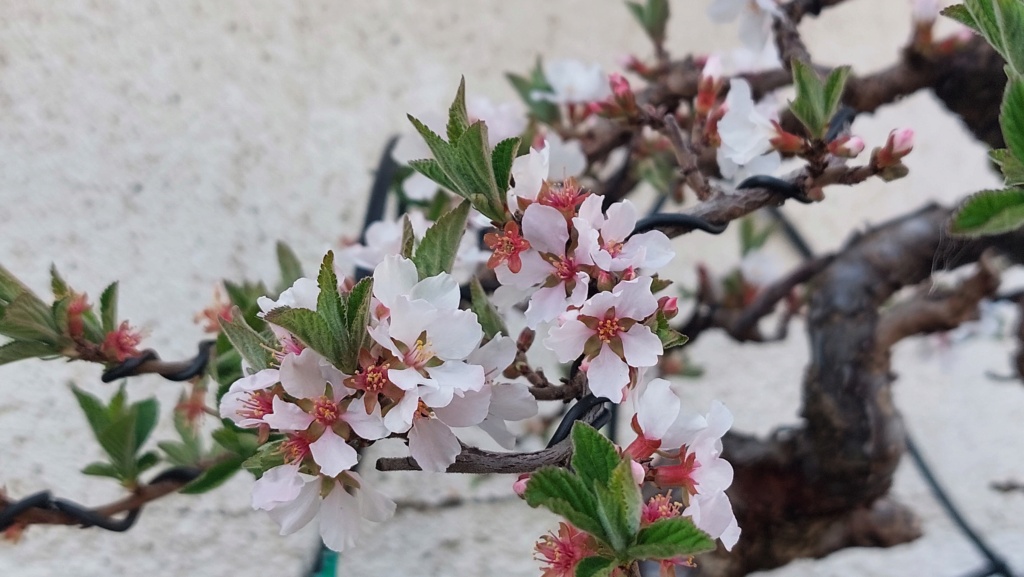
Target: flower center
{"x": 258, "y": 405}
{"x": 565, "y": 269}
{"x": 375, "y": 377}
{"x": 325, "y": 411}
{"x": 419, "y": 354}
{"x": 295, "y": 448}
{"x": 608, "y": 329}
{"x": 613, "y": 247}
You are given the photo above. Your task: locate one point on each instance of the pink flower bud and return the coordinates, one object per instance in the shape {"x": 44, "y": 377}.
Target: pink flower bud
{"x": 846, "y": 146}
{"x": 619, "y": 84}
{"x": 638, "y": 472}
{"x": 519, "y": 487}
{"x": 712, "y": 68}
{"x": 925, "y": 11}
{"x": 901, "y": 141}
{"x": 855, "y": 145}
{"x": 669, "y": 306}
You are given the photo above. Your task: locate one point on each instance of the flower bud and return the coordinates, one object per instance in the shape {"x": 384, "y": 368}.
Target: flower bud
{"x": 638, "y": 472}
{"x": 709, "y": 85}
{"x": 525, "y": 340}
{"x": 519, "y": 487}
{"x": 619, "y": 84}
{"x": 786, "y": 142}
{"x": 925, "y": 11}
{"x": 898, "y": 145}
{"x": 846, "y": 147}
{"x": 669, "y": 306}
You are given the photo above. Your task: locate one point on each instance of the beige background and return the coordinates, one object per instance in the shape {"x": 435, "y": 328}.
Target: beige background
{"x": 170, "y": 144}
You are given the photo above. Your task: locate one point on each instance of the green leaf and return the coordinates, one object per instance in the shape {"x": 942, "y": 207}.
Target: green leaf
{"x": 1011, "y": 118}
{"x": 458, "y": 118}
{"x": 265, "y": 458}
{"x": 444, "y": 154}
{"x": 108, "y": 308}
{"x": 328, "y": 303}
{"x": 57, "y": 284}
{"x": 357, "y": 318}
{"x": 408, "y": 237}
{"x": 670, "y": 538}
{"x": 101, "y": 470}
{"x": 239, "y": 441}
{"x": 1010, "y": 18}
{"x": 502, "y": 157}
{"x": 291, "y": 268}
{"x": 476, "y": 174}
{"x": 594, "y": 457}
{"x": 19, "y": 350}
{"x": 989, "y": 212}
{"x": 809, "y": 105}
{"x": 432, "y": 170}
{"x": 983, "y": 13}
{"x": 118, "y": 441}
{"x": 565, "y": 494}
{"x": 618, "y": 506}
{"x": 146, "y": 414}
{"x": 652, "y": 16}
{"x": 27, "y": 318}
{"x": 147, "y": 461}
{"x": 1013, "y": 169}
{"x": 833, "y": 91}
{"x": 213, "y": 477}
{"x": 961, "y": 14}
{"x": 310, "y": 328}
{"x": 437, "y": 250}
{"x": 595, "y": 567}
{"x": 486, "y": 314}
{"x": 670, "y": 337}
{"x": 178, "y": 453}
{"x": 253, "y": 347}
{"x": 10, "y": 286}
{"x": 527, "y": 88}
{"x": 95, "y": 412}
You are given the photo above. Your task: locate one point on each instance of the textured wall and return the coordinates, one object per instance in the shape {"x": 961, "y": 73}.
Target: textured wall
{"x": 169, "y": 144}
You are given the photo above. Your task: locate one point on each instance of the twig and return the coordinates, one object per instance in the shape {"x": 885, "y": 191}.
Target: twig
{"x": 766, "y": 300}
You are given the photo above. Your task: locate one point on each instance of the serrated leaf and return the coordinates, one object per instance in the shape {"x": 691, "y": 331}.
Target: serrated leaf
{"x": 542, "y": 110}
{"x": 1010, "y": 17}
{"x": 328, "y": 303}
{"x": 213, "y": 477}
{"x": 458, "y": 118}
{"x": 670, "y": 538}
{"x": 118, "y": 441}
{"x": 252, "y": 346}
{"x": 1013, "y": 169}
{"x": 146, "y": 414}
{"x": 57, "y": 284}
{"x": 310, "y": 328}
{"x": 10, "y": 286}
{"x": 238, "y": 441}
{"x": 618, "y": 504}
{"x": 431, "y": 169}
{"x": 565, "y": 494}
{"x": 595, "y": 567}
{"x": 408, "y": 237}
{"x": 809, "y": 105}
{"x": 20, "y": 350}
{"x": 983, "y": 13}
{"x": 108, "y": 308}
{"x": 101, "y": 470}
{"x": 488, "y": 316}
{"x": 652, "y": 16}
{"x": 670, "y": 337}
{"x": 961, "y": 14}
{"x": 1011, "y": 118}
{"x": 265, "y": 458}
{"x": 60, "y": 314}
{"x": 436, "y": 252}
{"x": 357, "y": 318}
{"x": 444, "y": 157}
{"x": 291, "y": 268}
{"x": 476, "y": 174}
{"x": 502, "y": 157}
{"x": 989, "y": 212}
{"x": 179, "y": 454}
{"x": 594, "y": 457}
{"x": 833, "y": 91}
{"x": 27, "y": 318}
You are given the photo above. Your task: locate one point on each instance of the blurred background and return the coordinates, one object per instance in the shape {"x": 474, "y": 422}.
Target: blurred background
{"x": 168, "y": 145}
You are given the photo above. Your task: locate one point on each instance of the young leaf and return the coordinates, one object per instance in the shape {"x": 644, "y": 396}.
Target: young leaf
{"x": 118, "y": 441}
{"x": 594, "y": 457}
{"x": 961, "y": 14}
{"x": 809, "y": 105}
{"x": 833, "y": 91}
{"x": 670, "y": 538}
{"x": 57, "y": 284}
{"x": 432, "y": 170}
{"x": 595, "y": 567}
{"x": 27, "y": 318}
{"x": 99, "y": 469}
{"x": 241, "y": 442}
{"x": 178, "y": 453}
{"x": 108, "y": 308}
{"x": 214, "y": 476}
{"x": 1010, "y": 17}
{"x": 265, "y": 458}
{"x": 983, "y": 12}
{"x": 458, "y": 118}
{"x": 408, "y": 237}
{"x": 989, "y": 212}
{"x": 95, "y": 412}
{"x": 670, "y": 338}
{"x": 564, "y": 494}
{"x": 291, "y": 268}
{"x": 146, "y": 414}
{"x": 328, "y": 303}
{"x": 310, "y": 328}
{"x": 147, "y": 461}
{"x": 486, "y": 314}
{"x": 357, "y": 317}
{"x": 10, "y": 286}
{"x": 527, "y": 88}
{"x": 437, "y": 250}
{"x": 502, "y": 157}
{"x": 19, "y": 350}
{"x": 653, "y": 16}
{"x": 618, "y": 505}
{"x": 1013, "y": 169}
{"x": 1011, "y": 118}
{"x": 251, "y": 345}
{"x": 476, "y": 174}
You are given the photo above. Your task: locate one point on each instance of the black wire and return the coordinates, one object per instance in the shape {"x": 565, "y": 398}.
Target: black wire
{"x": 842, "y": 120}
{"x": 382, "y": 180}
{"x": 776, "y": 185}
{"x": 575, "y": 413}
{"x": 193, "y": 367}
{"x": 656, "y": 221}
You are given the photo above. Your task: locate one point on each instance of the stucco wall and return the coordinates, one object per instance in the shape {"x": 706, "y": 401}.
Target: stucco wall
{"x": 170, "y": 144}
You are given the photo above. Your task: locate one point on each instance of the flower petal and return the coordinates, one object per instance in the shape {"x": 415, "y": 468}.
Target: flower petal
{"x": 545, "y": 228}
{"x": 657, "y": 408}
{"x": 339, "y": 519}
{"x": 433, "y": 445}
{"x": 333, "y": 454}
{"x": 640, "y": 346}
{"x": 296, "y": 514}
{"x": 279, "y": 485}
{"x": 394, "y": 276}
{"x": 287, "y": 416}
{"x": 301, "y": 376}
{"x": 467, "y": 410}
{"x": 608, "y": 375}
{"x": 454, "y": 334}
{"x": 568, "y": 340}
